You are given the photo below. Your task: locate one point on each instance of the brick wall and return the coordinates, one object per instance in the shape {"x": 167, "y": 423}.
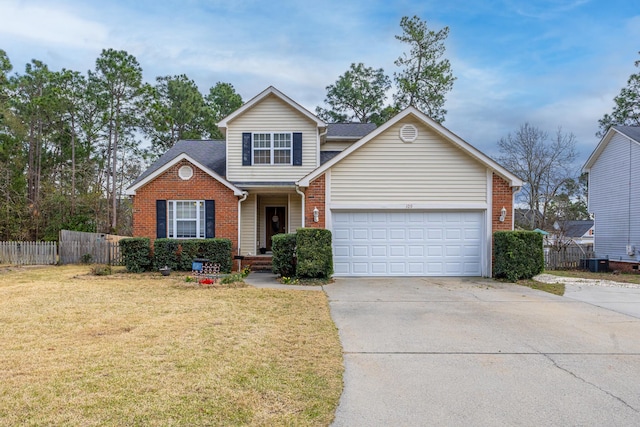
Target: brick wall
{"x": 169, "y": 186}
{"x": 502, "y": 197}
{"x": 315, "y": 198}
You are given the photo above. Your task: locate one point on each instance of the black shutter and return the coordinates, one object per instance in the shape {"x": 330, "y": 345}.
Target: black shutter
{"x": 297, "y": 149}
{"x": 161, "y": 219}
{"x": 246, "y": 149}
{"x": 210, "y": 219}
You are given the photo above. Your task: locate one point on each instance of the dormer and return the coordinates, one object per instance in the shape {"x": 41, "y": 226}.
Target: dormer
{"x": 271, "y": 139}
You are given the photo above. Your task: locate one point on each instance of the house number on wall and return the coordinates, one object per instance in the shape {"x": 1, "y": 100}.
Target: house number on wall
{"x": 409, "y": 206}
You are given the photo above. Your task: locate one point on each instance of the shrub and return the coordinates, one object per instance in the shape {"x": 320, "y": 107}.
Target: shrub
{"x": 215, "y": 250}
{"x": 101, "y": 270}
{"x": 314, "y": 255}
{"x": 136, "y": 254}
{"x": 517, "y": 255}
{"x": 232, "y": 278}
{"x": 166, "y": 252}
{"x": 218, "y": 251}
{"x": 284, "y": 254}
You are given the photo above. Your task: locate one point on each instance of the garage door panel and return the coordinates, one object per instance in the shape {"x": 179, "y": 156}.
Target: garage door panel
{"x": 360, "y": 251}
{"x": 379, "y": 251}
{"x": 408, "y": 243}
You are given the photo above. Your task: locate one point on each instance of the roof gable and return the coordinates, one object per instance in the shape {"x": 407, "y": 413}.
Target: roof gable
{"x": 207, "y": 155}
{"x": 631, "y": 132}
{"x": 449, "y": 136}
{"x": 271, "y": 91}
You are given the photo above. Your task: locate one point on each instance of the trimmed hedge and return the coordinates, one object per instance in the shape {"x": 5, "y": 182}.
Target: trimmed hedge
{"x": 315, "y": 257}
{"x": 166, "y": 252}
{"x": 215, "y": 250}
{"x": 284, "y": 254}
{"x": 136, "y": 254}
{"x": 517, "y": 255}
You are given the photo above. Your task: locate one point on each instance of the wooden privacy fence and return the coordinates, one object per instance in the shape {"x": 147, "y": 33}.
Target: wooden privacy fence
{"x": 28, "y": 253}
{"x": 80, "y": 247}
{"x": 567, "y": 258}
{"x": 75, "y": 252}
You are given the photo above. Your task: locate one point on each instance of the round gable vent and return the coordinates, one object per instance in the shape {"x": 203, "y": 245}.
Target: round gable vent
{"x": 185, "y": 172}
{"x": 408, "y": 133}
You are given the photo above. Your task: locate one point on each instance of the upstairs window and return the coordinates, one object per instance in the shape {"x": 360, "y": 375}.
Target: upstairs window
{"x": 272, "y": 148}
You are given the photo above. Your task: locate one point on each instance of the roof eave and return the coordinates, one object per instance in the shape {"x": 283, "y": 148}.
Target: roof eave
{"x": 131, "y": 191}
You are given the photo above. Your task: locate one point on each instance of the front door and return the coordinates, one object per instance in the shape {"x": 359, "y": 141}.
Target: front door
{"x": 275, "y": 222}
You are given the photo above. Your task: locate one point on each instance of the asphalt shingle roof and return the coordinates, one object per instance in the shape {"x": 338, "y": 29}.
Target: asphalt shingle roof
{"x": 209, "y": 153}
{"x": 349, "y": 130}
{"x": 632, "y": 132}
{"x": 576, "y": 228}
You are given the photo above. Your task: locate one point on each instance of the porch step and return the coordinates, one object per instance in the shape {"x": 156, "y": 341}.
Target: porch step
{"x": 258, "y": 263}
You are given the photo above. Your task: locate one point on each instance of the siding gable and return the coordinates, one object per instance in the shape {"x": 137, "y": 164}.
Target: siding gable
{"x": 613, "y": 190}
{"x": 430, "y": 169}
{"x": 272, "y": 114}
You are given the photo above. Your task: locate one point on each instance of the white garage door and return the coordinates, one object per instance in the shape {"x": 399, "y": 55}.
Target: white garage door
{"x": 407, "y": 243}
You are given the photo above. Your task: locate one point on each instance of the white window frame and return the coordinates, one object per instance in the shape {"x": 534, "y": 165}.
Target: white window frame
{"x": 173, "y": 220}
{"x": 272, "y": 148}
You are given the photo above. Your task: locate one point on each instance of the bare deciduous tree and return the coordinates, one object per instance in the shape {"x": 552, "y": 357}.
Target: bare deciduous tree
{"x": 544, "y": 163}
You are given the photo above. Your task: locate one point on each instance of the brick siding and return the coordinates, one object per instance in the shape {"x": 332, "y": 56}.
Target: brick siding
{"x": 169, "y": 186}
{"x": 315, "y": 198}
{"x": 502, "y": 197}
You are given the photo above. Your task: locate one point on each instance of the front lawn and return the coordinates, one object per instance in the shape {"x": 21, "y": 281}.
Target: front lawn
{"x": 147, "y": 350}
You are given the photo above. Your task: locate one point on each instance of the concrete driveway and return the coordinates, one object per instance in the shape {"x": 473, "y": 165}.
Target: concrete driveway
{"x": 449, "y": 351}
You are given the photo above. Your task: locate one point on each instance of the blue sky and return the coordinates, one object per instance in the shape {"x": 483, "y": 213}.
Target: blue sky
{"x": 547, "y": 62}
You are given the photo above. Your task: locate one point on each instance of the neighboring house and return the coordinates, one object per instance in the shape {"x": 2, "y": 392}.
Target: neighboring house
{"x": 578, "y": 232}
{"x": 614, "y": 196}
{"x": 406, "y": 198}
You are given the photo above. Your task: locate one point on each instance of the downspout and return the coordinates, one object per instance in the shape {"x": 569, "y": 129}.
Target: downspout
{"x": 244, "y": 197}
{"x": 303, "y": 211}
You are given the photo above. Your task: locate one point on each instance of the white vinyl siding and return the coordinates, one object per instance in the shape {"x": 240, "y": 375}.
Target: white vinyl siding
{"x": 614, "y": 200}
{"x": 430, "y": 169}
{"x": 248, "y": 226}
{"x": 271, "y": 115}
{"x": 295, "y": 212}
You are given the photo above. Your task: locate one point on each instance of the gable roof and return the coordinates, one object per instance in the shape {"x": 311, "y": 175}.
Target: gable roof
{"x": 576, "y": 228}
{"x": 262, "y": 95}
{"x": 349, "y": 130}
{"x": 513, "y": 180}
{"x": 631, "y": 132}
{"x": 207, "y": 155}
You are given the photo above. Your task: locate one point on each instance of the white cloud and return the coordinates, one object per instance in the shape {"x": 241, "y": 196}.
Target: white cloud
{"x": 48, "y": 24}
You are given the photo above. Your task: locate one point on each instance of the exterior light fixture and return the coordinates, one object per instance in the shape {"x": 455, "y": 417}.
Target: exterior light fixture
{"x": 316, "y": 215}
{"x": 503, "y": 214}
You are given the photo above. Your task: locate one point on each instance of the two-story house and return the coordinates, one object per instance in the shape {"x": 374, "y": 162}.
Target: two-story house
{"x": 406, "y": 198}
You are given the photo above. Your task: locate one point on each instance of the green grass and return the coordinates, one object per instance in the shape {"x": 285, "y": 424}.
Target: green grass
{"x": 148, "y": 350}
{"x": 552, "y": 288}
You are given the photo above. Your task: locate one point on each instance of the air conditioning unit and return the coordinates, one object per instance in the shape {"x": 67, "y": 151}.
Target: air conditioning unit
{"x": 631, "y": 250}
